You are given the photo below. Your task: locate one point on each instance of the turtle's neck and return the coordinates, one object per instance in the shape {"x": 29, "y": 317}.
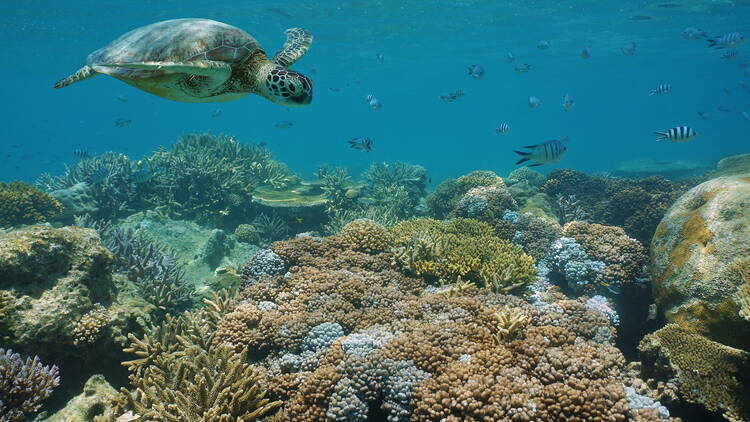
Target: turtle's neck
{"x": 250, "y": 76}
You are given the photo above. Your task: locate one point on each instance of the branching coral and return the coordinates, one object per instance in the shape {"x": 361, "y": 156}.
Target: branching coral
{"x": 396, "y": 186}
{"x": 270, "y": 227}
{"x": 24, "y": 204}
{"x": 366, "y": 236}
{"x": 116, "y": 184}
{"x": 336, "y": 185}
{"x": 463, "y": 247}
{"x": 24, "y": 385}
{"x": 510, "y": 322}
{"x": 203, "y": 174}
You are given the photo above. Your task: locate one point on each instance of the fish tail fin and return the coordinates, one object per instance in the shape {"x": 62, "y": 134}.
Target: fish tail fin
{"x": 652, "y": 93}
{"x": 662, "y": 136}
{"x": 523, "y": 155}
{"x": 352, "y": 144}
{"x": 712, "y": 43}
{"x": 535, "y": 164}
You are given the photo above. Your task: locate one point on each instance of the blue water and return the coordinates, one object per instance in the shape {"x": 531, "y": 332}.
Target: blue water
{"x": 427, "y": 46}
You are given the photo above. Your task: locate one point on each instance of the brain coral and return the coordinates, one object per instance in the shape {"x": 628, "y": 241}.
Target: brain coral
{"x": 24, "y": 204}
{"x": 694, "y": 254}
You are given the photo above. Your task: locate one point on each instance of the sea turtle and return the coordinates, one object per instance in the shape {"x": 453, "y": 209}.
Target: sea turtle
{"x": 201, "y": 60}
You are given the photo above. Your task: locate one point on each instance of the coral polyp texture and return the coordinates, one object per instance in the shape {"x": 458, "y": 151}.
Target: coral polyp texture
{"x": 699, "y": 260}
{"x": 447, "y": 195}
{"x": 24, "y": 385}
{"x": 366, "y": 236}
{"x": 342, "y": 336}
{"x": 24, "y": 204}
{"x": 464, "y": 248}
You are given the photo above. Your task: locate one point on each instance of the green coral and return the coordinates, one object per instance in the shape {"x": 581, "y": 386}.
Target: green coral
{"x": 247, "y": 233}
{"x": 21, "y": 203}
{"x": 445, "y": 198}
{"x": 461, "y": 249}
{"x": 210, "y": 177}
{"x": 366, "y": 236}
{"x": 704, "y": 371}
{"x": 398, "y": 186}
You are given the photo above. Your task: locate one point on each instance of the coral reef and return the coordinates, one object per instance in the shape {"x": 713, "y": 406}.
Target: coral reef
{"x": 348, "y": 338}
{"x": 94, "y": 401}
{"x": 247, "y": 233}
{"x": 110, "y": 183}
{"x": 463, "y": 247}
{"x": 211, "y": 178}
{"x": 366, "y": 236}
{"x": 24, "y": 385}
{"x": 52, "y": 277}
{"x": 398, "y": 186}
{"x": 24, "y": 204}
{"x": 695, "y": 255}
{"x": 89, "y": 328}
{"x": 446, "y": 196}
{"x": 702, "y": 371}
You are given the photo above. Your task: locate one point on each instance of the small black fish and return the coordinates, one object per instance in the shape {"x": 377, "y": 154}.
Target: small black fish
{"x": 313, "y": 71}
{"x": 123, "y": 122}
{"x": 451, "y": 96}
{"x": 217, "y": 113}
{"x": 81, "y": 153}
{"x": 476, "y": 71}
{"x": 363, "y": 143}
{"x": 669, "y": 5}
{"x": 99, "y": 175}
{"x": 122, "y": 98}
{"x": 284, "y": 124}
{"x": 640, "y": 18}
{"x": 380, "y": 57}
{"x": 335, "y": 89}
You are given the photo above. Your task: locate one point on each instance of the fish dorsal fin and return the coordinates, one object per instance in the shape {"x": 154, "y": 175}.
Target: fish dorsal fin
{"x": 298, "y": 41}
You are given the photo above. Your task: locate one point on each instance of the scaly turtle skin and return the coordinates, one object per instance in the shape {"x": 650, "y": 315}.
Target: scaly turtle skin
{"x": 200, "y": 60}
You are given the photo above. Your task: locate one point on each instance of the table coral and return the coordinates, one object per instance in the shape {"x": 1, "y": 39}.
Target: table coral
{"x": 24, "y": 204}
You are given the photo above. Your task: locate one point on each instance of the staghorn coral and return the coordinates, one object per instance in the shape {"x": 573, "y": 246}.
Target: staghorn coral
{"x": 112, "y": 182}
{"x": 398, "y": 187}
{"x": 24, "y": 385}
{"x": 270, "y": 227}
{"x": 446, "y": 196}
{"x": 336, "y": 184}
{"x": 463, "y": 247}
{"x": 338, "y": 218}
{"x": 208, "y": 177}
{"x": 510, "y": 322}
{"x": 21, "y": 204}
{"x": 703, "y": 371}
{"x": 366, "y": 236}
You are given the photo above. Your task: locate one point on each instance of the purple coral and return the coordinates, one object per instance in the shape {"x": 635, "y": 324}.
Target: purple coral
{"x": 24, "y": 384}
{"x": 265, "y": 262}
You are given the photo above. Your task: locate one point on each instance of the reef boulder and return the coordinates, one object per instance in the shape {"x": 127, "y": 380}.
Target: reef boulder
{"x": 700, "y": 257}
{"x": 49, "y": 278}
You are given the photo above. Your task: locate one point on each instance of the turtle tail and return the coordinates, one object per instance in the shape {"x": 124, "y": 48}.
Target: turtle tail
{"x": 81, "y": 74}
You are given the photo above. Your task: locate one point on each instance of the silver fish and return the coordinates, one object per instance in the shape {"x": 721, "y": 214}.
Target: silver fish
{"x": 731, "y": 39}
{"x": 677, "y": 134}
{"x": 522, "y": 68}
{"x": 534, "y": 102}
{"x": 692, "y": 33}
{"x": 122, "y": 98}
{"x": 705, "y": 116}
{"x": 585, "y": 53}
{"x": 122, "y": 122}
{"x": 476, "y": 71}
{"x": 729, "y": 55}
{"x": 373, "y": 102}
{"x": 502, "y": 129}
{"x": 363, "y": 143}
{"x": 82, "y": 153}
{"x": 568, "y": 103}
{"x": 380, "y": 57}
{"x": 628, "y": 49}
{"x": 217, "y": 113}
{"x": 661, "y": 89}
{"x": 544, "y": 153}
{"x": 509, "y": 57}
{"x": 723, "y": 109}
{"x": 543, "y": 45}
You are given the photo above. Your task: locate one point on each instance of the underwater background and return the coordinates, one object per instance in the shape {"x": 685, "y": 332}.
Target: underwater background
{"x": 473, "y": 220}
{"x": 427, "y": 47}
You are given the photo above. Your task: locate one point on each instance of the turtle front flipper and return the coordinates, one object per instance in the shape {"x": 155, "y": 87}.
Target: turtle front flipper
{"x": 81, "y": 74}
{"x": 217, "y": 71}
{"x": 297, "y": 43}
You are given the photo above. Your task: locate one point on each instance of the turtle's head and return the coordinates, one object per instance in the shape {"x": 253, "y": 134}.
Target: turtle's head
{"x": 286, "y": 87}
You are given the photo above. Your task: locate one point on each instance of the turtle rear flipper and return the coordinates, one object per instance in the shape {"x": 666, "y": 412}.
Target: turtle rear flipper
{"x": 297, "y": 43}
{"x": 81, "y": 74}
{"x": 218, "y": 71}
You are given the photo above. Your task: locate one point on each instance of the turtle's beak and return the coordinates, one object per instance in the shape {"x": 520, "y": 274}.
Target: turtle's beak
{"x": 302, "y": 100}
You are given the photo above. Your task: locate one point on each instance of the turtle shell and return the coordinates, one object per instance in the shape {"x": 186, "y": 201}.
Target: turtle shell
{"x": 176, "y": 40}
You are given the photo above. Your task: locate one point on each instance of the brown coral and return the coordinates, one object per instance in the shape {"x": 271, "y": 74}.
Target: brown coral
{"x": 365, "y": 235}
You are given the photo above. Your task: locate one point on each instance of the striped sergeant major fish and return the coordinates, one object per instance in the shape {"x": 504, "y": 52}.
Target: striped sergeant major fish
{"x": 731, "y": 39}
{"x": 729, "y": 55}
{"x": 547, "y": 152}
{"x": 661, "y": 89}
{"x": 677, "y": 134}
{"x": 502, "y": 129}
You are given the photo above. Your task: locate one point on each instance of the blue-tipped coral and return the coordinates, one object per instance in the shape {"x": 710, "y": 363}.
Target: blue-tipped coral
{"x": 24, "y": 385}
